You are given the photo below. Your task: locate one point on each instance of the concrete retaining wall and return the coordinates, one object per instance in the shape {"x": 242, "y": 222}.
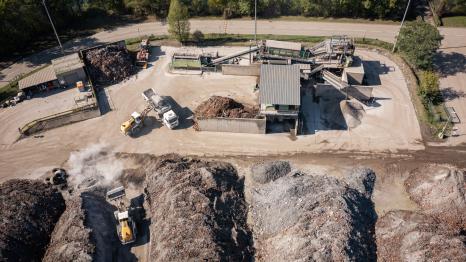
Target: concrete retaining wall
{"x": 61, "y": 119}
{"x": 232, "y": 125}
{"x": 241, "y": 70}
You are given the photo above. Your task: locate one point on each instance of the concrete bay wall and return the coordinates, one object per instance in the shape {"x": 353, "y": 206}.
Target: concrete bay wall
{"x": 232, "y": 125}
{"x": 241, "y": 70}
{"x": 61, "y": 119}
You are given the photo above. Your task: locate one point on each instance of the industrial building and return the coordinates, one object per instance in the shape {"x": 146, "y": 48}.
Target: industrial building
{"x": 280, "y": 94}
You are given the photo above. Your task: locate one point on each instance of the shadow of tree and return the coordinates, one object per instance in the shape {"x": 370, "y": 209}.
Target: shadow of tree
{"x": 450, "y": 63}
{"x": 450, "y": 94}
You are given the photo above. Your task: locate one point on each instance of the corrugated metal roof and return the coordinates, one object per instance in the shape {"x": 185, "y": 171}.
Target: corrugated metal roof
{"x": 42, "y": 76}
{"x": 67, "y": 63}
{"x": 280, "y": 85}
{"x": 283, "y": 45}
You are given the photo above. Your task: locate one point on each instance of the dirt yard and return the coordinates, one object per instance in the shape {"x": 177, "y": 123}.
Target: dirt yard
{"x": 391, "y": 127}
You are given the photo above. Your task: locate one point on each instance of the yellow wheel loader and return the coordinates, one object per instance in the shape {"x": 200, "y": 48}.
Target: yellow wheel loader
{"x": 135, "y": 123}
{"x": 125, "y": 224}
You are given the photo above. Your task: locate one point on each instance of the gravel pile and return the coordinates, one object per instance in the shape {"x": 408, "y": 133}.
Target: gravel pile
{"x": 29, "y": 211}
{"x": 413, "y": 236}
{"x": 109, "y": 64}
{"x": 440, "y": 191}
{"x": 218, "y": 106}
{"x": 269, "y": 171}
{"x": 353, "y": 113}
{"x": 306, "y": 218}
{"x": 71, "y": 239}
{"x": 197, "y": 211}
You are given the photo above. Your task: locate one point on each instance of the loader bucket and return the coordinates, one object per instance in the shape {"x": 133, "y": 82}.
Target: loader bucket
{"x": 116, "y": 193}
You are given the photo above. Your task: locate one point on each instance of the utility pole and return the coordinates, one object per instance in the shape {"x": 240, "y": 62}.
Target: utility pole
{"x": 53, "y": 26}
{"x": 402, "y": 21}
{"x": 255, "y": 21}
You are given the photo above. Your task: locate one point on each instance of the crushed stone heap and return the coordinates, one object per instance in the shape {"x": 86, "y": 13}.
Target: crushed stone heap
{"x": 300, "y": 217}
{"x": 29, "y": 210}
{"x": 197, "y": 211}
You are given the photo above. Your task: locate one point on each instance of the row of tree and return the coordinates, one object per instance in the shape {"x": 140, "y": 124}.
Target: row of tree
{"x": 22, "y": 21}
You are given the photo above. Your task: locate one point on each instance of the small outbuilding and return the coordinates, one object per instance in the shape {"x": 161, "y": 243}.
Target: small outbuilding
{"x": 69, "y": 70}
{"x": 42, "y": 80}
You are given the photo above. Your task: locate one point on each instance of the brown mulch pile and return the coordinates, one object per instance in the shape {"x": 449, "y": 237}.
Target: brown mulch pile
{"x": 440, "y": 191}
{"x": 219, "y": 106}
{"x": 197, "y": 211}
{"x": 29, "y": 211}
{"x": 413, "y": 236}
{"x": 110, "y": 64}
{"x": 71, "y": 239}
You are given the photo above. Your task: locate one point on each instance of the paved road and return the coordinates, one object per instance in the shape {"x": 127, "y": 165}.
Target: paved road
{"x": 451, "y": 58}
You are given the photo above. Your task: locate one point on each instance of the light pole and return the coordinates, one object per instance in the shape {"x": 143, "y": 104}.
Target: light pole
{"x": 255, "y": 21}
{"x": 402, "y": 21}
{"x": 53, "y": 26}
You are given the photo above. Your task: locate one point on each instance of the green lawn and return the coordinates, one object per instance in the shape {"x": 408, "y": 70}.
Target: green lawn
{"x": 186, "y": 63}
{"x": 454, "y": 21}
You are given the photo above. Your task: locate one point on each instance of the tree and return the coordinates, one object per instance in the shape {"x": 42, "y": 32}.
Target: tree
{"x": 178, "y": 23}
{"x": 418, "y": 41}
{"x": 429, "y": 88}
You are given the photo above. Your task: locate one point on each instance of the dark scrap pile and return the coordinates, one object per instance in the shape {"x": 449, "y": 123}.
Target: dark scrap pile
{"x": 218, "y": 106}
{"x": 29, "y": 211}
{"x": 299, "y": 217}
{"x": 198, "y": 212}
{"x": 109, "y": 64}
{"x": 71, "y": 240}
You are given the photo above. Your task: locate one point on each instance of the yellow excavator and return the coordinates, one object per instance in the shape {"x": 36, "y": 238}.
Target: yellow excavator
{"x": 126, "y": 226}
{"x": 135, "y": 123}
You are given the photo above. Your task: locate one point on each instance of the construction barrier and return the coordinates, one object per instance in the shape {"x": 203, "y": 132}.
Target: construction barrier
{"x": 241, "y": 70}
{"x": 232, "y": 125}
{"x": 60, "y": 119}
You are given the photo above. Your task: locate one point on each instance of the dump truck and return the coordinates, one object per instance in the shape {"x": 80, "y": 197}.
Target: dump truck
{"x": 162, "y": 107}
{"x": 125, "y": 224}
{"x": 135, "y": 123}
{"x": 142, "y": 57}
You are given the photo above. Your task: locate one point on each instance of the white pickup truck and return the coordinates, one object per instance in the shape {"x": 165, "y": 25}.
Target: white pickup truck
{"x": 162, "y": 107}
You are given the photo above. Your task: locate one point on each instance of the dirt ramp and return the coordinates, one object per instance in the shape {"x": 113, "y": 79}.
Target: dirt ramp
{"x": 313, "y": 218}
{"x": 353, "y": 112}
{"x": 71, "y": 240}
{"x": 197, "y": 211}
{"x": 413, "y": 236}
{"x": 440, "y": 191}
{"x": 29, "y": 211}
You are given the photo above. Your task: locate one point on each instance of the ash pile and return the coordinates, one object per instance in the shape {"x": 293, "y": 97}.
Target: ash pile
{"x": 301, "y": 217}
{"x": 436, "y": 231}
{"x": 198, "y": 212}
{"x": 29, "y": 211}
{"x": 109, "y": 64}
{"x": 219, "y": 106}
